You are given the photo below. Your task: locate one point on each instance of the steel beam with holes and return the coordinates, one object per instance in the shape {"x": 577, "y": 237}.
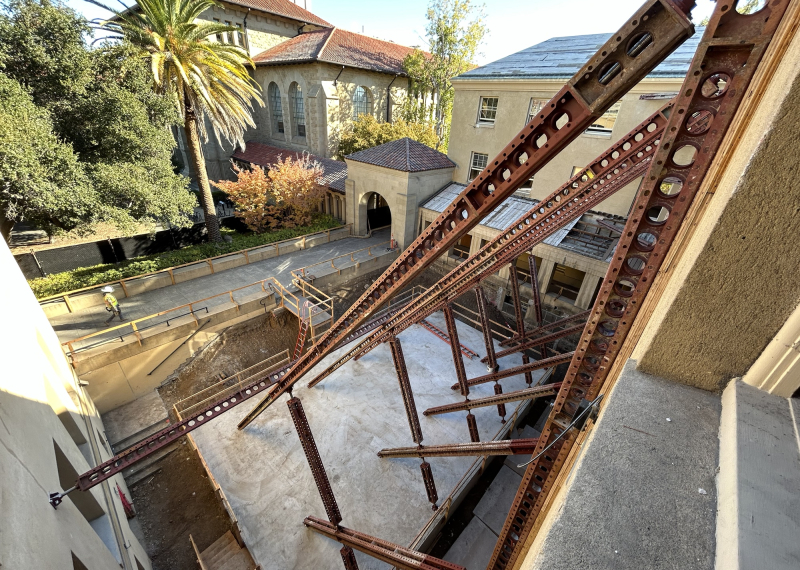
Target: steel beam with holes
{"x": 516, "y": 299}
{"x": 549, "y": 362}
{"x": 458, "y": 360}
{"x": 622, "y": 163}
{"x": 524, "y": 394}
{"x": 476, "y": 449}
{"x": 718, "y": 79}
{"x": 405, "y": 389}
{"x": 534, "y": 342}
{"x": 645, "y": 40}
{"x": 394, "y": 554}
{"x": 445, "y": 337}
{"x": 536, "y": 296}
{"x": 546, "y": 328}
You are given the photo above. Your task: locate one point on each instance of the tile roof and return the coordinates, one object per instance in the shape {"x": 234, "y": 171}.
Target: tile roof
{"x": 334, "y": 171}
{"x": 340, "y": 48}
{"x": 404, "y": 154}
{"x": 561, "y": 58}
{"x": 284, "y": 8}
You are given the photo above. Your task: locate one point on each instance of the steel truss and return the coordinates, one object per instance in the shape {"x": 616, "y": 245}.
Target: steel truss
{"x": 524, "y": 394}
{"x": 549, "y": 362}
{"x": 539, "y": 341}
{"x": 718, "y": 78}
{"x": 478, "y": 449}
{"x": 399, "y": 556}
{"x": 619, "y": 65}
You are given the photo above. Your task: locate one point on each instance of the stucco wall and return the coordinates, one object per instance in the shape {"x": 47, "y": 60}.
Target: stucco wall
{"x": 42, "y": 406}
{"x": 514, "y": 99}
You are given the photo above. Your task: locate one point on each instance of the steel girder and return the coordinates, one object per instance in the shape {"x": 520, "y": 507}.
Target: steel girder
{"x": 524, "y": 394}
{"x": 549, "y": 362}
{"x": 653, "y": 32}
{"x": 582, "y": 316}
{"x": 718, "y": 78}
{"x": 539, "y": 341}
{"x": 477, "y": 449}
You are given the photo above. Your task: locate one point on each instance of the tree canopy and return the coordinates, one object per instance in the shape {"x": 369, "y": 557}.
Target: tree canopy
{"x": 367, "y": 132}
{"x": 84, "y": 137}
{"x": 455, "y": 31}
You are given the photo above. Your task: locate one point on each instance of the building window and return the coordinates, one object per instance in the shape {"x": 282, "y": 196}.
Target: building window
{"x": 228, "y": 37}
{"x": 535, "y": 106}
{"x": 217, "y": 37}
{"x": 479, "y": 162}
{"x": 566, "y": 282}
{"x": 238, "y": 37}
{"x": 488, "y": 111}
{"x": 362, "y": 102}
{"x": 605, "y": 124}
{"x": 298, "y": 113}
{"x": 461, "y": 249}
{"x": 525, "y": 189}
{"x": 275, "y": 108}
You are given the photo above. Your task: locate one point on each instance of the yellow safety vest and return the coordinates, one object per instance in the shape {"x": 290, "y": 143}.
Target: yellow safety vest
{"x": 111, "y": 301}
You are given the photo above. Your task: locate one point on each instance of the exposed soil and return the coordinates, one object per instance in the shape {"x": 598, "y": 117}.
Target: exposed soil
{"x": 177, "y": 501}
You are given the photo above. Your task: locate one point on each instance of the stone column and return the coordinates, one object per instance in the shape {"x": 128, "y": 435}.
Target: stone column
{"x": 588, "y": 287}
{"x": 545, "y": 274}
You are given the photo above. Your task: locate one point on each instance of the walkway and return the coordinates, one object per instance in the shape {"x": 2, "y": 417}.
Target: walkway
{"x": 80, "y": 323}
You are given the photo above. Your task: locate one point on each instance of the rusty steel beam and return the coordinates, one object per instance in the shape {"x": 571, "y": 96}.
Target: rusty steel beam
{"x": 549, "y": 362}
{"x": 430, "y": 484}
{"x": 501, "y": 407}
{"x": 537, "y": 300}
{"x": 718, "y": 79}
{"x": 524, "y": 394}
{"x": 472, "y": 426}
{"x": 582, "y": 316}
{"x": 348, "y": 558}
{"x": 540, "y": 341}
{"x": 405, "y": 390}
{"x": 314, "y": 460}
{"x": 476, "y": 449}
{"x": 519, "y": 316}
{"x": 486, "y": 328}
{"x": 458, "y": 361}
{"x": 383, "y": 550}
{"x": 625, "y": 59}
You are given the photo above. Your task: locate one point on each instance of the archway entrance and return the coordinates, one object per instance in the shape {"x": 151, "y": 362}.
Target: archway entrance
{"x": 378, "y": 213}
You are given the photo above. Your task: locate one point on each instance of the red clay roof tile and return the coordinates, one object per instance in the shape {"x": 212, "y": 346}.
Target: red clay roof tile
{"x": 404, "y": 154}
{"x": 334, "y": 171}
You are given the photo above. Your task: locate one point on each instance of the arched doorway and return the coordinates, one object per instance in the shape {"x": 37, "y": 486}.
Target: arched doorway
{"x": 378, "y": 213}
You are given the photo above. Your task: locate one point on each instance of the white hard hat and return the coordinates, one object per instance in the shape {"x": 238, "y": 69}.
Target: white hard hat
{"x": 107, "y": 289}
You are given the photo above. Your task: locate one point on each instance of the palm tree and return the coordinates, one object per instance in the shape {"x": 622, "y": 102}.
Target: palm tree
{"x": 208, "y": 79}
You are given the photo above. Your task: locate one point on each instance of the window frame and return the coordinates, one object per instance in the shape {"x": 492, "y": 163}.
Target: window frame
{"x": 472, "y": 167}
{"x": 367, "y": 104}
{"x": 482, "y": 120}
{"x": 297, "y": 105}
{"x": 531, "y": 112}
{"x": 276, "y": 109}
{"x": 598, "y": 129}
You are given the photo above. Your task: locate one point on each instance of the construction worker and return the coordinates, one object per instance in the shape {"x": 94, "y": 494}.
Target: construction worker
{"x": 112, "y": 305}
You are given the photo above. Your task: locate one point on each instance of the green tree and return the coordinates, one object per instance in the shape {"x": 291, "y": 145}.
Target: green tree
{"x": 367, "y": 132}
{"x": 747, "y": 8}
{"x": 455, "y": 31}
{"x": 208, "y": 80}
{"x": 96, "y": 105}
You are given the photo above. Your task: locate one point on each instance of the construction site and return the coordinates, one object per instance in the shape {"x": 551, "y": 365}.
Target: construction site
{"x": 490, "y": 380}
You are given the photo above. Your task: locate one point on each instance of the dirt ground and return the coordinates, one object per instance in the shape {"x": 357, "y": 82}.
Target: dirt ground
{"x": 177, "y": 501}
{"x": 180, "y": 499}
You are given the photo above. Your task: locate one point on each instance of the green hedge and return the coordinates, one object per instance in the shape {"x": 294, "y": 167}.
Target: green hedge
{"x": 89, "y": 276}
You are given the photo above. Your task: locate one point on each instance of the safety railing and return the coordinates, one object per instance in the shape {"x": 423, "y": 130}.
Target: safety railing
{"x": 228, "y": 386}
{"x": 306, "y": 272}
{"x": 122, "y": 283}
{"x": 197, "y": 554}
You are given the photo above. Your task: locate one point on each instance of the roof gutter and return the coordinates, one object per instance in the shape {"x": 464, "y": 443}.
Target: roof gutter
{"x": 337, "y": 77}
{"x": 246, "y": 37}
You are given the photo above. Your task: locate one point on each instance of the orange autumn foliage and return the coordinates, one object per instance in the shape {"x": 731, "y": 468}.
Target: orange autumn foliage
{"x": 284, "y": 196}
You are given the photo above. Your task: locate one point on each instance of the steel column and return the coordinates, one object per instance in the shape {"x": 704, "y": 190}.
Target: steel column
{"x": 348, "y": 558}
{"x": 472, "y": 425}
{"x": 483, "y": 315}
{"x": 405, "y": 389}
{"x": 458, "y": 361}
{"x": 519, "y": 317}
{"x": 430, "y": 485}
{"x": 718, "y": 79}
{"x": 537, "y": 300}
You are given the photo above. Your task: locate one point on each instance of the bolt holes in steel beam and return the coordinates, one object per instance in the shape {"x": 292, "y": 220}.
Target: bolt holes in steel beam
{"x": 698, "y": 122}
{"x": 657, "y": 215}
{"x": 639, "y": 43}
{"x": 670, "y": 186}
{"x": 608, "y": 72}
{"x": 684, "y": 156}
{"x": 715, "y": 85}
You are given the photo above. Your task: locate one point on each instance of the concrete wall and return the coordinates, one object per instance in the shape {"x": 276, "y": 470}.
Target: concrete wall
{"x": 51, "y": 433}
{"x": 736, "y": 283}
{"x": 514, "y": 98}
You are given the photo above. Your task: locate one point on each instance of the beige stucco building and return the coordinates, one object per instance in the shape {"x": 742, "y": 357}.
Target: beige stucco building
{"x": 314, "y": 79}
{"x": 51, "y": 432}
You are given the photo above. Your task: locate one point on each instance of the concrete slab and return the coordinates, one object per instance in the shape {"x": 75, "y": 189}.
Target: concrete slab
{"x": 514, "y": 461}
{"x": 474, "y": 546}
{"x": 759, "y": 481}
{"x": 634, "y": 500}
{"x": 133, "y": 417}
{"x": 354, "y": 413}
{"x": 494, "y": 506}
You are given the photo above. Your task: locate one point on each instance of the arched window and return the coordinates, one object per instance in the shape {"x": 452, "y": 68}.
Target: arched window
{"x": 298, "y": 113}
{"x": 276, "y": 108}
{"x": 362, "y": 102}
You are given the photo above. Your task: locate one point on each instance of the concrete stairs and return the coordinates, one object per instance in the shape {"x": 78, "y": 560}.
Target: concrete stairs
{"x": 226, "y": 554}
{"x": 151, "y": 464}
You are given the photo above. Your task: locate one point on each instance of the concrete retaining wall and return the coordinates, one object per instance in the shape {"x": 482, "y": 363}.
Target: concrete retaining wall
{"x": 356, "y": 270}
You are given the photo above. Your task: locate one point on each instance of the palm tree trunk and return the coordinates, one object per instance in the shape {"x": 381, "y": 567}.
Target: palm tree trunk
{"x": 196, "y": 152}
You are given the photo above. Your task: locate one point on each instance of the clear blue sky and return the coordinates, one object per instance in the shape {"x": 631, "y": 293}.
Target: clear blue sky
{"x": 513, "y": 25}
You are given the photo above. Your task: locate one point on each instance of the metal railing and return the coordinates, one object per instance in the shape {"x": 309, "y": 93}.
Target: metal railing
{"x": 305, "y": 272}
{"x": 170, "y": 270}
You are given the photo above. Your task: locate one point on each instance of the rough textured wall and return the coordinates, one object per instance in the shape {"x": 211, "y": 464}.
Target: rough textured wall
{"x": 745, "y": 283}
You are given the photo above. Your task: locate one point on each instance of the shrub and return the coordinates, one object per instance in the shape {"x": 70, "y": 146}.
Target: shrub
{"x": 89, "y": 276}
